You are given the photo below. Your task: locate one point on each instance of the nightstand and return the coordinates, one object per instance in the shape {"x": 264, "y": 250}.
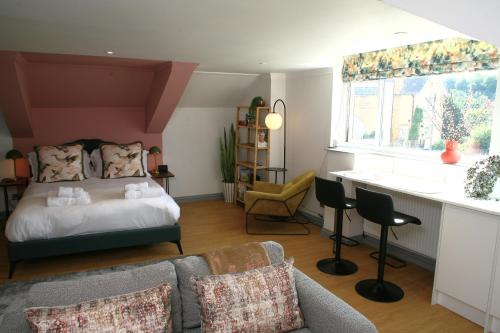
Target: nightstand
{"x": 5, "y": 184}
{"x": 166, "y": 176}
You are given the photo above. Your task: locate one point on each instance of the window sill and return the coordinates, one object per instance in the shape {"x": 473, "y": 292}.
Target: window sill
{"x": 423, "y": 156}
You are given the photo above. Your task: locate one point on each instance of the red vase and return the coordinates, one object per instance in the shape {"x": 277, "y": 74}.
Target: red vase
{"x": 451, "y": 155}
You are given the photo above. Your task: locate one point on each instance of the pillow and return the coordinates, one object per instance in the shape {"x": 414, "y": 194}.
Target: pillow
{"x": 60, "y": 163}
{"x": 33, "y": 161}
{"x": 259, "y": 300}
{"x": 197, "y": 266}
{"x": 122, "y": 160}
{"x": 95, "y": 158}
{"x": 142, "y": 311}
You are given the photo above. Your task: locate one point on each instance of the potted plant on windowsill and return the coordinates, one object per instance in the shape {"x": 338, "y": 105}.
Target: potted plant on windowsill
{"x": 227, "y": 145}
{"x": 453, "y": 129}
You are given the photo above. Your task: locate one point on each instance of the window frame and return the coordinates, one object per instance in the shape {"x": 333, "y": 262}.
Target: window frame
{"x": 346, "y": 107}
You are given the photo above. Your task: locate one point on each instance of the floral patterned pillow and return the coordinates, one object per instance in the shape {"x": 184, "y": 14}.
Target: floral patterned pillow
{"x": 147, "y": 311}
{"x": 260, "y": 300}
{"x": 60, "y": 163}
{"x": 122, "y": 160}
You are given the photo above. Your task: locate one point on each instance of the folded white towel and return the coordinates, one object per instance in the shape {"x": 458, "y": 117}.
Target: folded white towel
{"x": 144, "y": 193}
{"x": 152, "y": 192}
{"x": 65, "y": 192}
{"x": 70, "y": 192}
{"x": 136, "y": 186}
{"x": 78, "y": 192}
{"x": 53, "y": 200}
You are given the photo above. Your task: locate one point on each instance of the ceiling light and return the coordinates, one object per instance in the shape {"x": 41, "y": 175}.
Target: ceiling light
{"x": 110, "y": 52}
{"x": 400, "y": 33}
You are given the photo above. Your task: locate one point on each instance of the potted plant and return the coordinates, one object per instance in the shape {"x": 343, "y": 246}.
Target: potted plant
{"x": 227, "y": 145}
{"x": 252, "y": 111}
{"x": 453, "y": 129}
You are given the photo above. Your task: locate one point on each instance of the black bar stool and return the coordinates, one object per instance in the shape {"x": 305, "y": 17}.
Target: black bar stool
{"x": 378, "y": 208}
{"x": 331, "y": 193}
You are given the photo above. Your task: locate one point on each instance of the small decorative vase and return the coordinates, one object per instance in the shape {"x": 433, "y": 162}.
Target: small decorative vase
{"x": 451, "y": 155}
{"x": 228, "y": 192}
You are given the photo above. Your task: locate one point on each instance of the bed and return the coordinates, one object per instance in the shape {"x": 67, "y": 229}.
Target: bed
{"x": 110, "y": 221}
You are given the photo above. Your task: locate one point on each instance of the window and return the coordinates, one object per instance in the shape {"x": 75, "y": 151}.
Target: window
{"x": 420, "y": 112}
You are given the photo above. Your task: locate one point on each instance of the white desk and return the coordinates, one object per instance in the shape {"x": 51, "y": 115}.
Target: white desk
{"x": 467, "y": 275}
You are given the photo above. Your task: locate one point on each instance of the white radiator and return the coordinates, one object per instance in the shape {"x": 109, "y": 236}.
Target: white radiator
{"x": 419, "y": 238}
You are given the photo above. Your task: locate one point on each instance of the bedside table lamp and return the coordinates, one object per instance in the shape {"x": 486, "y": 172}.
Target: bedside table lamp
{"x": 155, "y": 151}
{"x": 14, "y": 154}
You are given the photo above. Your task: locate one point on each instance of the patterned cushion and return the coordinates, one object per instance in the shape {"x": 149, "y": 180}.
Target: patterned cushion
{"x": 60, "y": 163}
{"x": 122, "y": 160}
{"x": 147, "y": 311}
{"x": 260, "y": 300}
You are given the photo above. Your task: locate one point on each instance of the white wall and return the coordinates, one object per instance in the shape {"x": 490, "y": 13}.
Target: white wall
{"x": 478, "y": 19}
{"x": 309, "y": 101}
{"x": 6, "y": 166}
{"x": 191, "y": 149}
{"x": 191, "y": 138}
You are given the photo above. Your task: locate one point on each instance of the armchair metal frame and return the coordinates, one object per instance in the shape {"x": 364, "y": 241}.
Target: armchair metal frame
{"x": 290, "y": 219}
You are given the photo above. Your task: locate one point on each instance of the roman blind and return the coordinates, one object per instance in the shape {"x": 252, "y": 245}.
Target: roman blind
{"x": 436, "y": 57}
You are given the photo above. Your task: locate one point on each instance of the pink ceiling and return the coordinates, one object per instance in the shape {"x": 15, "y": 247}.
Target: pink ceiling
{"x": 31, "y": 81}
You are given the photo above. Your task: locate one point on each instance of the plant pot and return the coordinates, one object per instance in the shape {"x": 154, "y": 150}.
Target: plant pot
{"x": 451, "y": 155}
{"x": 228, "y": 192}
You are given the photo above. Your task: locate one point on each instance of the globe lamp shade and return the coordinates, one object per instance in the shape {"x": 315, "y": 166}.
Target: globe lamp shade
{"x": 273, "y": 120}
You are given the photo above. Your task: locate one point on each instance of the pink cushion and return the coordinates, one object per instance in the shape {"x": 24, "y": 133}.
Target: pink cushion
{"x": 144, "y": 311}
{"x": 260, "y": 300}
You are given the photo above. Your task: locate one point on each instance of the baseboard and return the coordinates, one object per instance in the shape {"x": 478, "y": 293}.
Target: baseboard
{"x": 201, "y": 197}
{"x": 314, "y": 219}
{"x": 325, "y": 233}
{"x": 399, "y": 252}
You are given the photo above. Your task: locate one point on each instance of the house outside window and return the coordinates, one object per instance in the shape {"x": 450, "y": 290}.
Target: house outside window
{"x": 413, "y": 99}
{"x": 412, "y": 112}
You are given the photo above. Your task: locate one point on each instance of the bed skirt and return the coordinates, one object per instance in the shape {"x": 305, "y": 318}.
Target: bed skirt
{"x": 42, "y": 248}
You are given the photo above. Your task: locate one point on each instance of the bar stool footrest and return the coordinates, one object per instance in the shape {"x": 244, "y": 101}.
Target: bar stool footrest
{"x": 347, "y": 241}
{"x": 401, "y": 262}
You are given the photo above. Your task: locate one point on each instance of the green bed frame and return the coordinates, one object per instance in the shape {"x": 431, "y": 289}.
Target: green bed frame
{"x": 42, "y": 248}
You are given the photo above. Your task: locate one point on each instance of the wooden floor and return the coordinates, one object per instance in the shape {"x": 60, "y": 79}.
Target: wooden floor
{"x": 211, "y": 224}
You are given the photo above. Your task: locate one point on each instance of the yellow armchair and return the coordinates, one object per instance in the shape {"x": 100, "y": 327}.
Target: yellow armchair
{"x": 277, "y": 201}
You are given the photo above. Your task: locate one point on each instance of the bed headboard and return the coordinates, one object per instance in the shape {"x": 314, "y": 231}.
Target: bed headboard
{"x": 89, "y": 144}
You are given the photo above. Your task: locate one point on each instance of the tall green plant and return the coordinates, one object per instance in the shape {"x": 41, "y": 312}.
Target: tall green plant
{"x": 416, "y": 122}
{"x": 227, "y": 145}
{"x": 453, "y": 126}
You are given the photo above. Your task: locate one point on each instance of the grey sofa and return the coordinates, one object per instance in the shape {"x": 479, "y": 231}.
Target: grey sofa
{"x": 323, "y": 311}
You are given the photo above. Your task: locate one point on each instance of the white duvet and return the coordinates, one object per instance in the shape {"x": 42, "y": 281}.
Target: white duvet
{"x": 109, "y": 211}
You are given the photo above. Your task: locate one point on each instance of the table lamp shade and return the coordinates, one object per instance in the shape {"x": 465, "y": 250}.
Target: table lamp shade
{"x": 13, "y": 154}
{"x": 155, "y": 150}
{"x": 273, "y": 120}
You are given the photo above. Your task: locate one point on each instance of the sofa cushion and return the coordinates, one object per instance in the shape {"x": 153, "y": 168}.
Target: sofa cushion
{"x": 110, "y": 284}
{"x": 198, "y": 330}
{"x": 196, "y": 266}
{"x": 259, "y": 300}
{"x": 140, "y": 311}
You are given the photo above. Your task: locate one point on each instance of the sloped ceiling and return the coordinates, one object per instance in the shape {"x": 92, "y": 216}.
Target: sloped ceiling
{"x": 206, "y": 89}
{"x": 31, "y": 81}
{"x": 258, "y": 36}
{"x": 478, "y": 18}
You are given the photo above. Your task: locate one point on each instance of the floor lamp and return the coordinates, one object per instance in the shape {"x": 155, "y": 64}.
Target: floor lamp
{"x": 273, "y": 122}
